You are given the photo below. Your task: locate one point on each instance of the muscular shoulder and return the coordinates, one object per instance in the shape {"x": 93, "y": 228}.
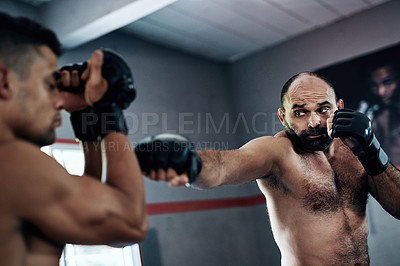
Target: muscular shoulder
{"x": 282, "y": 137}
{"x": 270, "y": 145}
{"x": 279, "y": 139}
{"x": 267, "y": 153}
{"x": 26, "y": 168}
{"x": 16, "y": 146}
{"x": 17, "y": 154}
{"x": 381, "y": 117}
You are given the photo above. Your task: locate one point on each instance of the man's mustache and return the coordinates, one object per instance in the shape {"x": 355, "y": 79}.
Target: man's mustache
{"x": 314, "y": 132}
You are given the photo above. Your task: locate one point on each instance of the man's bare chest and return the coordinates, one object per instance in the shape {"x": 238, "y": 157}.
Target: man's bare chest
{"x": 321, "y": 185}
{"x": 327, "y": 186}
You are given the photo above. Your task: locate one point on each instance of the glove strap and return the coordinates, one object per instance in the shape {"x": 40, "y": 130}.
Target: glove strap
{"x": 94, "y": 123}
{"x": 373, "y": 158}
{"x": 195, "y": 167}
{"x": 85, "y": 124}
{"x": 111, "y": 119}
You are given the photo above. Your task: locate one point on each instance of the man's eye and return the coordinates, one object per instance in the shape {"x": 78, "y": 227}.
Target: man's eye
{"x": 324, "y": 110}
{"x": 298, "y": 113}
{"x": 52, "y": 86}
{"x": 387, "y": 82}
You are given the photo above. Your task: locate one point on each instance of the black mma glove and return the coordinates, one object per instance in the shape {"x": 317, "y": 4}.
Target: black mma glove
{"x": 105, "y": 116}
{"x": 356, "y": 126}
{"x": 168, "y": 151}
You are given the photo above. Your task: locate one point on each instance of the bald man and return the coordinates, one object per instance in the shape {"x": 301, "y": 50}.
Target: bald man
{"x": 315, "y": 175}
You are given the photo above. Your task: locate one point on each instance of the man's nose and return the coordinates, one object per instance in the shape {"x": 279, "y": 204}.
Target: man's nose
{"x": 314, "y": 120}
{"x": 381, "y": 90}
{"x": 58, "y": 102}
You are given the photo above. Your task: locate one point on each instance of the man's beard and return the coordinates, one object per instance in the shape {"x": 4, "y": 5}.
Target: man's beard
{"x": 45, "y": 140}
{"x": 39, "y": 140}
{"x": 303, "y": 142}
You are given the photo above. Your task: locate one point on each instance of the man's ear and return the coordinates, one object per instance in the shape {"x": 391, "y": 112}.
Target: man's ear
{"x": 340, "y": 104}
{"x": 5, "y": 91}
{"x": 281, "y": 115}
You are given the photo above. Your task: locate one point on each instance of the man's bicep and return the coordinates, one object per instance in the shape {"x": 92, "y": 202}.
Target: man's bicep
{"x": 85, "y": 212}
{"x": 66, "y": 208}
{"x": 75, "y": 216}
{"x": 50, "y": 198}
{"x": 234, "y": 167}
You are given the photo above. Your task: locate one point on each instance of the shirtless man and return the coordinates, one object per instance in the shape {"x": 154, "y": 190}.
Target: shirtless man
{"x": 43, "y": 207}
{"x": 385, "y": 85}
{"x": 316, "y": 189}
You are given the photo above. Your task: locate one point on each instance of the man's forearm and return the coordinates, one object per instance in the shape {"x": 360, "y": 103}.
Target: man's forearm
{"x": 212, "y": 164}
{"x": 123, "y": 171}
{"x": 93, "y": 159}
{"x": 386, "y": 189}
{"x": 217, "y": 169}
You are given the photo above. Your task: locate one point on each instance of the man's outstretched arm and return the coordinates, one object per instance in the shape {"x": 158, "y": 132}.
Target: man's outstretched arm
{"x": 231, "y": 167}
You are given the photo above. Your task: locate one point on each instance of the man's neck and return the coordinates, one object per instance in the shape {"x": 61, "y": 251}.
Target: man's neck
{"x": 6, "y": 132}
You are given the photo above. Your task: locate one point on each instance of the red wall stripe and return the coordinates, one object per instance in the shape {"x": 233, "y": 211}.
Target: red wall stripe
{"x": 200, "y": 205}
{"x": 66, "y": 141}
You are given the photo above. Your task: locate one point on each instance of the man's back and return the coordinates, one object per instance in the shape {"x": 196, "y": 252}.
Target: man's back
{"x": 316, "y": 203}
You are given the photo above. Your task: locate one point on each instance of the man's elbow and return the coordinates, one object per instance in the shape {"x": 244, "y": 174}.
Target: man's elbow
{"x": 139, "y": 230}
{"x": 136, "y": 235}
{"x": 142, "y": 230}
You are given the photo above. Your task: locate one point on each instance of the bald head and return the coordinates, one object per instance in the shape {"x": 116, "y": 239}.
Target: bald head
{"x": 297, "y": 78}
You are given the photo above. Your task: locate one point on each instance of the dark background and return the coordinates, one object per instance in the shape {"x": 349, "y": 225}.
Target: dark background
{"x": 350, "y": 78}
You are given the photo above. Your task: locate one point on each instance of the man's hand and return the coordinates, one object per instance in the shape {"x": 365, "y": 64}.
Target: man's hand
{"x": 82, "y": 84}
{"x": 354, "y": 128}
{"x": 104, "y": 87}
{"x": 169, "y": 175}
{"x": 346, "y": 140}
{"x": 168, "y": 157}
